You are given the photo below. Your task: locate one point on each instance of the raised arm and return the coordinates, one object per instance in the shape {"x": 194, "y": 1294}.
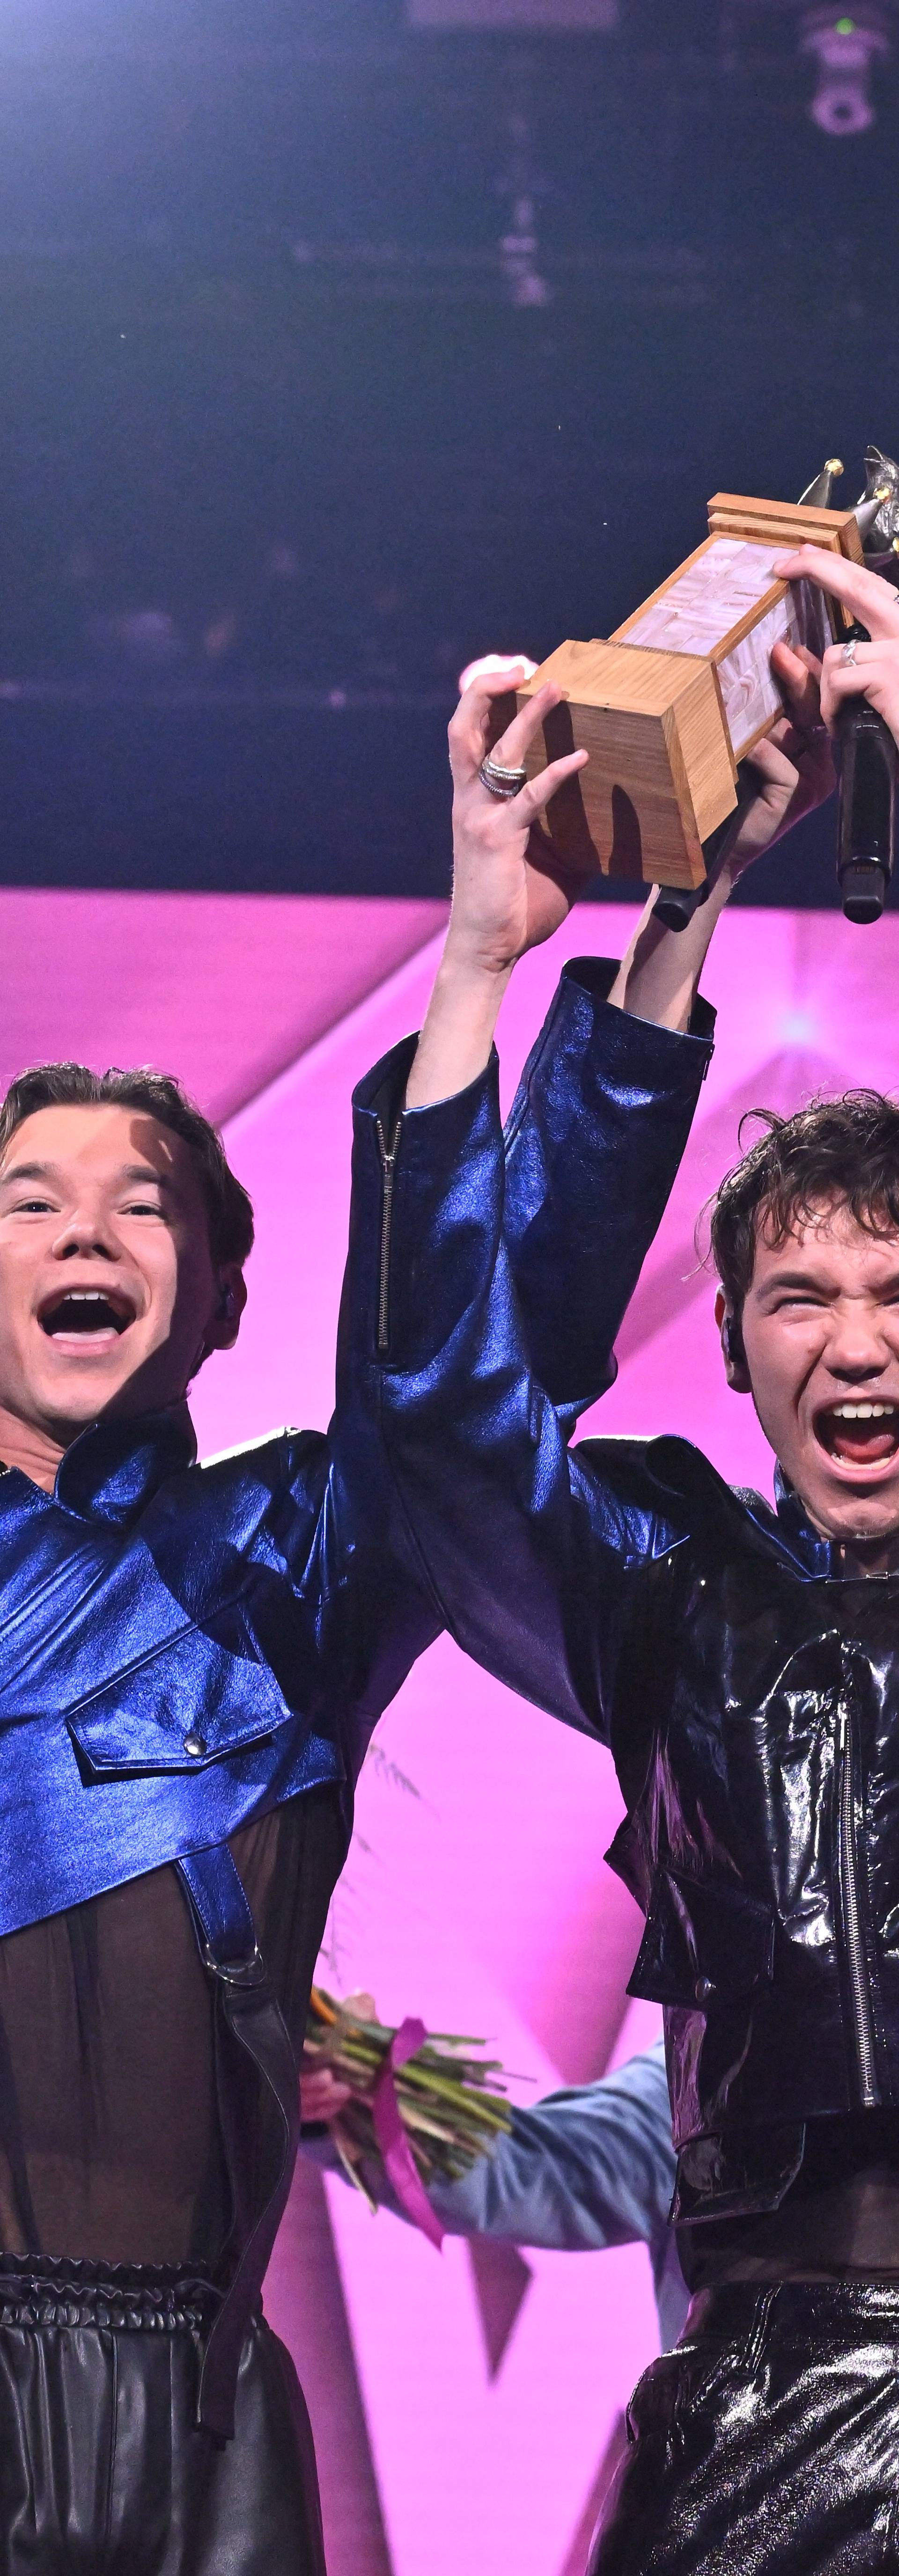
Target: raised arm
{"x": 522, "y": 1547}
{"x": 592, "y": 1147}
{"x": 578, "y": 1223}
{"x": 510, "y": 890}
{"x": 531, "y": 1549}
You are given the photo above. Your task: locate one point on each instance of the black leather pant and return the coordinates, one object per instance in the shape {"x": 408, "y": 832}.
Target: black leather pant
{"x": 767, "y": 2442}
{"x": 102, "y": 2472}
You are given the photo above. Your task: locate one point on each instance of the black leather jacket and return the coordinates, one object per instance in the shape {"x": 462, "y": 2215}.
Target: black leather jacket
{"x": 749, "y": 1695}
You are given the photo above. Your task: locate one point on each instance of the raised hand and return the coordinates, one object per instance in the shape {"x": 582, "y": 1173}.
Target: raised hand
{"x": 791, "y": 767}
{"x": 790, "y": 770}
{"x": 870, "y": 670}
{"x": 510, "y": 890}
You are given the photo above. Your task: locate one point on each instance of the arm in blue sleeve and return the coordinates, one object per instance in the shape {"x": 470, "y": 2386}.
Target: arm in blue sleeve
{"x": 530, "y": 1548}
{"x": 364, "y": 1608}
{"x": 592, "y": 1146}
{"x": 585, "y": 2169}
{"x": 593, "y": 1143}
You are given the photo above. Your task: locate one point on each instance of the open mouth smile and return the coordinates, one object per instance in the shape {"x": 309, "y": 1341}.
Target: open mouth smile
{"x": 92, "y": 1318}
{"x": 860, "y": 1431}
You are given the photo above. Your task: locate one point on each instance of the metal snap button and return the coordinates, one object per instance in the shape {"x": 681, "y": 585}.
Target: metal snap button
{"x": 195, "y": 1745}
{"x": 703, "y": 1989}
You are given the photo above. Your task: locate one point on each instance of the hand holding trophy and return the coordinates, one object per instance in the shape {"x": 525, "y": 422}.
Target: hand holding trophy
{"x": 860, "y": 706}
{"x": 693, "y": 683}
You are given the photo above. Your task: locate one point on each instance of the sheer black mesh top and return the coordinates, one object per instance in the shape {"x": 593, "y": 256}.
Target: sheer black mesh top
{"x": 109, "y": 2138}
{"x": 840, "y": 2215}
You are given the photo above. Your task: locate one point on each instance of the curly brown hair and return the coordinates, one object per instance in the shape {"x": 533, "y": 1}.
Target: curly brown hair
{"x": 75, "y": 1086}
{"x": 836, "y": 1152}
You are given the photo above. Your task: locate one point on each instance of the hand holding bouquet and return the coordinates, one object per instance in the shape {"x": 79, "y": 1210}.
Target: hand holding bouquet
{"x": 364, "y": 2078}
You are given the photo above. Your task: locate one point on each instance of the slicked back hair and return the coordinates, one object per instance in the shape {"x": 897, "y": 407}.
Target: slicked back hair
{"x": 159, "y": 1096}
{"x": 836, "y": 1153}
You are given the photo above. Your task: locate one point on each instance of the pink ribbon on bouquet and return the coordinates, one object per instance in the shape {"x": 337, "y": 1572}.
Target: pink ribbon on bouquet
{"x": 399, "y": 2161}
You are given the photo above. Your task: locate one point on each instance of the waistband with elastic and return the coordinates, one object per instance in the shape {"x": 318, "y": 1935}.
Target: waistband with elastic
{"x": 49, "y": 2290}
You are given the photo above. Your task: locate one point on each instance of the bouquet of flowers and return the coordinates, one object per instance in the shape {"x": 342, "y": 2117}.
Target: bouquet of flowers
{"x": 421, "y": 2103}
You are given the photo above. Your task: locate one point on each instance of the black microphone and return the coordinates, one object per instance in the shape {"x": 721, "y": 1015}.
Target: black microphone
{"x": 867, "y": 818}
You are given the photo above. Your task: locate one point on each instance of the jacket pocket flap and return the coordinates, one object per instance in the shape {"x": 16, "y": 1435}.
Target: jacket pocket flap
{"x": 703, "y": 1938}
{"x": 192, "y": 1705}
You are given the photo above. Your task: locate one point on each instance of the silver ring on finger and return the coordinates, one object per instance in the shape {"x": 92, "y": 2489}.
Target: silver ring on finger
{"x": 500, "y": 781}
{"x": 848, "y": 654}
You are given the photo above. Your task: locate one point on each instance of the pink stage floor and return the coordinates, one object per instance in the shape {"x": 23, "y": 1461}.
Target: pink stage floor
{"x": 464, "y": 2410}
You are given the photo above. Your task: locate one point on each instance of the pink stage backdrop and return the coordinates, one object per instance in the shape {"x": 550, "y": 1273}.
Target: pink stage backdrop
{"x": 466, "y": 2407}
{"x": 483, "y": 1901}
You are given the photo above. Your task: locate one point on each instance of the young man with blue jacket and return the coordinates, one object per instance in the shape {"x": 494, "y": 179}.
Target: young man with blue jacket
{"x": 193, "y": 1658}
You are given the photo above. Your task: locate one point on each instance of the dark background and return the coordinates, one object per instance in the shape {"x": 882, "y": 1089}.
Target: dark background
{"x": 334, "y": 352}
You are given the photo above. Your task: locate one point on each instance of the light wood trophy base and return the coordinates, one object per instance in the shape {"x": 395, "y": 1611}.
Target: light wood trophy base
{"x": 680, "y": 693}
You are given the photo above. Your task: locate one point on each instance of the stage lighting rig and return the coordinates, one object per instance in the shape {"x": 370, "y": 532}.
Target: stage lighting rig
{"x": 517, "y": 17}
{"x": 847, "y": 47}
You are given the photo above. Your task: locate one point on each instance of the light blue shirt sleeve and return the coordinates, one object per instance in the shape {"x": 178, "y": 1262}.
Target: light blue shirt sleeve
{"x": 585, "y": 2169}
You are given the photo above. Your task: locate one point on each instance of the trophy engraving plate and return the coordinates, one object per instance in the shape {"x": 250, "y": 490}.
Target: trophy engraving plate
{"x": 718, "y": 587}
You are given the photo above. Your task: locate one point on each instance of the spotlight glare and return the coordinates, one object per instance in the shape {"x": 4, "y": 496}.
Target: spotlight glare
{"x": 847, "y": 50}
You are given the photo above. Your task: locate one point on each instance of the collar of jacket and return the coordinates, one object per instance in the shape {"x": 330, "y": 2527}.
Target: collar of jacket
{"x": 115, "y": 1467}
{"x": 787, "y": 1528}
{"x": 817, "y": 1555}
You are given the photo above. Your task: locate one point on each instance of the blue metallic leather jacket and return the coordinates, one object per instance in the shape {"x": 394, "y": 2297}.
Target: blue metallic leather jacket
{"x": 750, "y": 1695}
{"x": 184, "y": 1647}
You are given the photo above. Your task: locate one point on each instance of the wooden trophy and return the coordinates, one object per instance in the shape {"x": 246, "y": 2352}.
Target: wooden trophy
{"x": 681, "y": 692}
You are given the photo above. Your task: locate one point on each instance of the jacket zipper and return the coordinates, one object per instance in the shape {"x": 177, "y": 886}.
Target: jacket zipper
{"x": 863, "y": 2027}
{"x": 388, "y": 1166}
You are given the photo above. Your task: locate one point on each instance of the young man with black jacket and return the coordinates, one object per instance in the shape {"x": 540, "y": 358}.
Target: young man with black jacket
{"x": 743, "y": 1663}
